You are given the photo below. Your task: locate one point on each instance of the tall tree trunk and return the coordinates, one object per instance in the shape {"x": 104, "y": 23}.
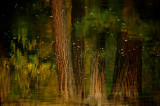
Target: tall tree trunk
{"x": 78, "y": 66}
{"x": 62, "y": 49}
{"x": 128, "y": 68}
{"x": 97, "y": 85}
{"x": 78, "y": 47}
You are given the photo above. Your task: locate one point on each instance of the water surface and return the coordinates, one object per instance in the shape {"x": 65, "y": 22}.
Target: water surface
{"x": 105, "y": 53}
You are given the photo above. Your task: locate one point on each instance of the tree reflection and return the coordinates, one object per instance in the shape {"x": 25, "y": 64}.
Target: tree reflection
{"x": 97, "y": 84}
{"x": 77, "y": 45}
{"x": 82, "y": 53}
{"x": 4, "y": 80}
{"x": 128, "y": 69}
{"x": 62, "y": 50}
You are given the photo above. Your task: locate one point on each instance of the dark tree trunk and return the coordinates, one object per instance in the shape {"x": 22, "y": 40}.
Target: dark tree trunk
{"x": 128, "y": 68}
{"x": 78, "y": 47}
{"x": 62, "y": 49}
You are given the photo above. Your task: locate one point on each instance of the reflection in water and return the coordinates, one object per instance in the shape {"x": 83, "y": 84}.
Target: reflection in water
{"x": 65, "y": 53}
{"x": 62, "y": 51}
{"x": 4, "y": 81}
{"x": 78, "y": 66}
{"x": 128, "y": 69}
{"x": 97, "y": 85}
{"x": 77, "y": 46}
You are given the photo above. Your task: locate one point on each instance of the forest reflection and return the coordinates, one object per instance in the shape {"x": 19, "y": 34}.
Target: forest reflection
{"x": 80, "y": 52}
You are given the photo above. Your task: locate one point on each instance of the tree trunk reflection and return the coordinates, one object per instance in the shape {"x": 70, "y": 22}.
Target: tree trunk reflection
{"x": 4, "y": 81}
{"x": 78, "y": 47}
{"x": 97, "y": 85}
{"x": 128, "y": 69}
{"x": 62, "y": 50}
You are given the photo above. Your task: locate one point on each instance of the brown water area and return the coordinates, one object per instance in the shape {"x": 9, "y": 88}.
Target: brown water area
{"x": 80, "y": 53}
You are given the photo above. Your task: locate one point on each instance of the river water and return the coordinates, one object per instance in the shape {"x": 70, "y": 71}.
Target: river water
{"x": 110, "y": 57}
